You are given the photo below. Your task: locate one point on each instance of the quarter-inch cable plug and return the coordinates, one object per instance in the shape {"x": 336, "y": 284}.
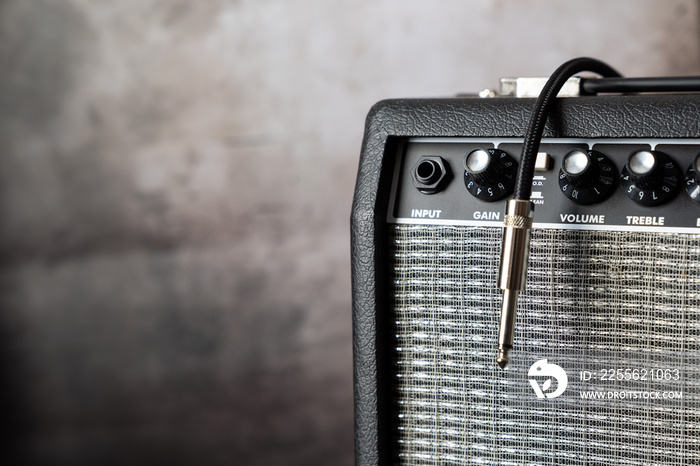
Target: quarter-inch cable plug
{"x": 518, "y": 221}
{"x": 515, "y": 251}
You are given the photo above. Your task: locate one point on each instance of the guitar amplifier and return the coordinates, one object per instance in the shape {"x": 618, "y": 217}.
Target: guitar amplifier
{"x": 606, "y": 362}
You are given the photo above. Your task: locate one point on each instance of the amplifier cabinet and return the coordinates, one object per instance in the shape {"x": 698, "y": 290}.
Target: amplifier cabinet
{"x": 606, "y": 365}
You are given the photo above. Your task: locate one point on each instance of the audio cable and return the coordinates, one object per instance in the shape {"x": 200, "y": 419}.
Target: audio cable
{"x": 517, "y": 225}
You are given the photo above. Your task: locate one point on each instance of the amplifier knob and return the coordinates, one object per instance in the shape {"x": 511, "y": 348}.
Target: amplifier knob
{"x": 489, "y": 174}
{"x": 587, "y": 177}
{"x": 650, "y": 177}
{"x": 692, "y": 180}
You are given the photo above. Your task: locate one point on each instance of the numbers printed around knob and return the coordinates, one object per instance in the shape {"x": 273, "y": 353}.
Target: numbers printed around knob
{"x": 650, "y": 178}
{"x": 489, "y": 174}
{"x": 587, "y": 177}
{"x": 692, "y": 180}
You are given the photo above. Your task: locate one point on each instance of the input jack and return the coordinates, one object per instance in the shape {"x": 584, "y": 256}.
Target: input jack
{"x": 430, "y": 174}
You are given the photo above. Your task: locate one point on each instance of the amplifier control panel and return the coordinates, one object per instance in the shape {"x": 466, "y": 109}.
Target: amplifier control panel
{"x": 610, "y": 184}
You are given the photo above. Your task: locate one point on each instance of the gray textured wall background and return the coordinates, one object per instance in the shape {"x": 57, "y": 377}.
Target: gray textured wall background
{"x": 175, "y": 188}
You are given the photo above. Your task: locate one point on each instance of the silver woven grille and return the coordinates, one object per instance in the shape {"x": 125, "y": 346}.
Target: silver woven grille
{"x": 596, "y": 301}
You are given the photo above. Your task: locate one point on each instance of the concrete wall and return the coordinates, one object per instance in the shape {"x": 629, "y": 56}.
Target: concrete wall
{"x": 175, "y": 189}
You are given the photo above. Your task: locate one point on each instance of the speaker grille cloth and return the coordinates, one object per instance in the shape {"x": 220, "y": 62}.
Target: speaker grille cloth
{"x": 595, "y": 300}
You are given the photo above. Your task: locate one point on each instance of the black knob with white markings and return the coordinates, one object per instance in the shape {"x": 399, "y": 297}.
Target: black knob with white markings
{"x": 489, "y": 174}
{"x": 587, "y": 177}
{"x": 650, "y": 178}
{"x": 692, "y": 180}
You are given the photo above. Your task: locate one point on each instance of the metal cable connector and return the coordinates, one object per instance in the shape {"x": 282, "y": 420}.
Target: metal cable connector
{"x": 515, "y": 250}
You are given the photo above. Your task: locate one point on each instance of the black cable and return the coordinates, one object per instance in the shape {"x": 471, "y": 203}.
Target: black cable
{"x": 636, "y": 85}
{"x": 523, "y": 184}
